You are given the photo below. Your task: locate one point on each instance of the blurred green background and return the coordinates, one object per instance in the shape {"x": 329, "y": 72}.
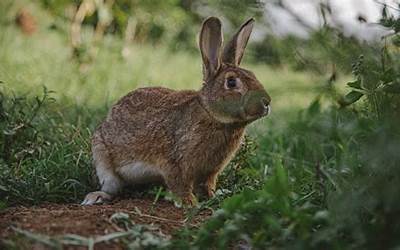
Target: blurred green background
{"x": 148, "y": 43}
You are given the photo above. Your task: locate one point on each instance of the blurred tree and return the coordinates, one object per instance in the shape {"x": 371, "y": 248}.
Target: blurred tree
{"x": 175, "y": 23}
{"x": 26, "y": 21}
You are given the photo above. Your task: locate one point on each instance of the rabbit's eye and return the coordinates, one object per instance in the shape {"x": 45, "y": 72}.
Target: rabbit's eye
{"x": 231, "y": 83}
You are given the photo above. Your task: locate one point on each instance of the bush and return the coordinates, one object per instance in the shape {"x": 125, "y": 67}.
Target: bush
{"x": 43, "y": 157}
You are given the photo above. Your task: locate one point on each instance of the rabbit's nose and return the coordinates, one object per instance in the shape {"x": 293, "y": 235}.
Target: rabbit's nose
{"x": 265, "y": 102}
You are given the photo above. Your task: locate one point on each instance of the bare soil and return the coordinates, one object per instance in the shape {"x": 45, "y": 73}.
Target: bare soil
{"x": 89, "y": 221}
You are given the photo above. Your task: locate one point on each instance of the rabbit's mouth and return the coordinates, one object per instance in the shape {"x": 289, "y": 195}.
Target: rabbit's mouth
{"x": 256, "y": 104}
{"x": 252, "y": 117}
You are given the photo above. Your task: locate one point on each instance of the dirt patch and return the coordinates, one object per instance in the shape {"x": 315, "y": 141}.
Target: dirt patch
{"x": 90, "y": 221}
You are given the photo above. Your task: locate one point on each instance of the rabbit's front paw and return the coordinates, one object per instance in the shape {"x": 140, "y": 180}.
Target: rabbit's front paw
{"x": 189, "y": 200}
{"x": 211, "y": 192}
{"x": 211, "y": 185}
{"x": 204, "y": 191}
{"x": 96, "y": 198}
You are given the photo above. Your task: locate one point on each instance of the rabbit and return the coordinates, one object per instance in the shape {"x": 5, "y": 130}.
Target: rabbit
{"x": 181, "y": 138}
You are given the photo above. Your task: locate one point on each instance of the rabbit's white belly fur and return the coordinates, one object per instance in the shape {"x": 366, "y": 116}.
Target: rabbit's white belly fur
{"x": 139, "y": 172}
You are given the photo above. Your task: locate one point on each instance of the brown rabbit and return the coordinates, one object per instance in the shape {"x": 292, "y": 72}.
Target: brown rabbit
{"x": 182, "y": 138}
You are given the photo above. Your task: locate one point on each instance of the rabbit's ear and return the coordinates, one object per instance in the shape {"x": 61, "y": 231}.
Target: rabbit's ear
{"x": 210, "y": 46}
{"x": 234, "y": 50}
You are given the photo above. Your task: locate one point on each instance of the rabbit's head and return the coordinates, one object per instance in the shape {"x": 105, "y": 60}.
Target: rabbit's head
{"x": 231, "y": 94}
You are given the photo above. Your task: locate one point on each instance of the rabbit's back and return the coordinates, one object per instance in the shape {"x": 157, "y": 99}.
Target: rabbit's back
{"x": 143, "y": 125}
{"x": 142, "y": 102}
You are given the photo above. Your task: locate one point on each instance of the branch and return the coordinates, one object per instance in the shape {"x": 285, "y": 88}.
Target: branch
{"x": 300, "y": 20}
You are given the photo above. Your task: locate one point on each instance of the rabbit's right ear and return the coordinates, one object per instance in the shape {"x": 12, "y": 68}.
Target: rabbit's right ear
{"x": 210, "y": 46}
{"x": 234, "y": 50}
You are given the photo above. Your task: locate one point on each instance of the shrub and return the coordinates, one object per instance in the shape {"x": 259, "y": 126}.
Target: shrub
{"x": 43, "y": 156}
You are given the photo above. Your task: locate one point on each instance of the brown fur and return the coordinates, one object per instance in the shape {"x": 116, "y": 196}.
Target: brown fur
{"x": 186, "y": 137}
{"x": 179, "y": 137}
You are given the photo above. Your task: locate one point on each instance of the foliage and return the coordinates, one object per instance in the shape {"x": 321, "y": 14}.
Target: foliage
{"x": 377, "y": 79}
{"x": 175, "y": 23}
{"x": 275, "y": 216}
{"x": 239, "y": 173}
{"x": 170, "y": 22}
{"x": 366, "y": 211}
{"x": 336, "y": 183}
{"x": 43, "y": 157}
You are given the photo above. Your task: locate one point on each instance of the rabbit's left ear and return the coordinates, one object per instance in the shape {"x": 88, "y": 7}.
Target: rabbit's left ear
{"x": 234, "y": 50}
{"x": 210, "y": 46}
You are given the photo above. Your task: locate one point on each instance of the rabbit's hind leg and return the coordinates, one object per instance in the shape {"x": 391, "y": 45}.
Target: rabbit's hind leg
{"x": 110, "y": 182}
{"x": 182, "y": 185}
{"x": 211, "y": 184}
{"x": 206, "y": 187}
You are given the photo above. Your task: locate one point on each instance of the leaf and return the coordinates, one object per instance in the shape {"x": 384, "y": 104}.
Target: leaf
{"x": 233, "y": 203}
{"x": 351, "y": 98}
{"x": 396, "y": 40}
{"x": 388, "y": 75}
{"x": 315, "y": 107}
{"x": 321, "y": 215}
{"x": 3, "y": 188}
{"x": 384, "y": 12}
{"x": 393, "y": 88}
{"x": 46, "y": 240}
{"x": 282, "y": 182}
{"x": 120, "y": 216}
{"x": 355, "y": 84}
{"x": 9, "y": 132}
{"x": 113, "y": 236}
{"x": 73, "y": 239}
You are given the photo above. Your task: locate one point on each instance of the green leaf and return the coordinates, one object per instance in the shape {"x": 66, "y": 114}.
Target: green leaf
{"x": 393, "y": 88}
{"x": 355, "y": 84}
{"x": 351, "y": 98}
{"x": 44, "y": 239}
{"x": 388, "y": 75}
{"x": 396, "y": 40}
{"x": 315, "y": 107}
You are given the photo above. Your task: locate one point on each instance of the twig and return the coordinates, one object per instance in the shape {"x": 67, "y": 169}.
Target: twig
{"x": 387, "y": 5}
{"x": 158, "y": 218}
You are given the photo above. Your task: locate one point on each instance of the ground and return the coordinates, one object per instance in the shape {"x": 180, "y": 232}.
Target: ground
{"x": 56, "y": 220}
